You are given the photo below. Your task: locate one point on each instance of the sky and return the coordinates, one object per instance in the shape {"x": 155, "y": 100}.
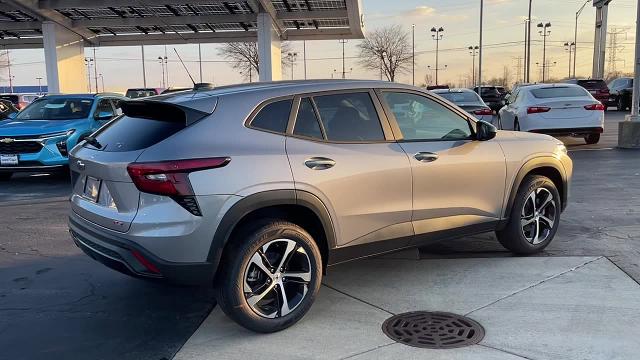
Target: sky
{"x": 503, "y": 44}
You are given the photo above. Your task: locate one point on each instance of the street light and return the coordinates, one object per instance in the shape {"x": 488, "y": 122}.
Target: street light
{"x": 473, "y": 50}
{"x": 570, "y": 47}
{"x": 88, "y": 62}
{"x": 163, "y": 63}
{"x": 528, "y": 60}
{"x": 544, "y": 33}
{"x": 292, "y": 60}
{"x": 437, "y": 34}
{"x": 343, "y": 41}
{"x": 39, "y": 85}
{"x": 383, "y": 53}
{"x": 101, "y": 80}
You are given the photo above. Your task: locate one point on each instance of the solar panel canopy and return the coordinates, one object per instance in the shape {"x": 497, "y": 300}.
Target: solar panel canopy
{"x": 135, "y": 22}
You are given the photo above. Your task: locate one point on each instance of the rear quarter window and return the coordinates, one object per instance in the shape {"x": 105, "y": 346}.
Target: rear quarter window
{"x": 558, "y": 92}
{"x": 273, "y": 117}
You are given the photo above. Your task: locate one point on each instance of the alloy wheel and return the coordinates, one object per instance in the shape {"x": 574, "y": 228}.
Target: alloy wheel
{"x": 276, "y": 278}
{"x": 538, "y": 216}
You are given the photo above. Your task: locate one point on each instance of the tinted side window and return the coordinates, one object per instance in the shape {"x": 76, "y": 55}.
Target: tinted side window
{"x": 421, "y": 118}
{"x": 349, "y": 117}
{"x": 129, "y": 133}
{"x": 307, "y": 123}
{"x": 104, "y": 106}
{"x": 273, "y": 117}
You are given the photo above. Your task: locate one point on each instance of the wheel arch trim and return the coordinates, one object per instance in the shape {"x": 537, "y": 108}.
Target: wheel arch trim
{"x": 265, "y": 199}
{"x": 531, "y": 165}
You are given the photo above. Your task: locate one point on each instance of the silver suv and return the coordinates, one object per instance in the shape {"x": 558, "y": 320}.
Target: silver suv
{"x": 258, "y": 189}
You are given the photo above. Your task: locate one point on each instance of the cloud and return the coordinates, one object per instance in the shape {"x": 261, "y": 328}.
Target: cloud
{"x": 420, "y": 11}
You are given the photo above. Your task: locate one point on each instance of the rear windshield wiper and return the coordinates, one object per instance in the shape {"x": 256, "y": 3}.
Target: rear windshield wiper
{"x": 93, "y": 142}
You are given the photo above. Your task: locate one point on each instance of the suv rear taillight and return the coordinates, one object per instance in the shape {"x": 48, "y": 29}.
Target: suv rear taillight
{"x": 596, "y": 107}
{"x": 171, "y": 178}
{"x": 537, "y": 109}
{"x": 483, "y": 112}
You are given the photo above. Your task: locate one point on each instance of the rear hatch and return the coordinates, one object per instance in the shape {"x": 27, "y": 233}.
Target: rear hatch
{"x": 563, "y": 102}
{"x": 597, "y": 88}
{"x": 103, "y": 191}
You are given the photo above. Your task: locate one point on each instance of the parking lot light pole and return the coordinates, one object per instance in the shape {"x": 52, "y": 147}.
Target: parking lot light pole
{"x": 629, "y": 130}
{"x": 413, "y": 54}
{"x": 144, "y": 68}
{"x": 571, "y": 48}
{"x": 39, "y": 85}
{"x": 473, "y": 50}
{"x": 544, "y": 33}
{"x": 437, "y": 34}
{"x": 480, "y": 50}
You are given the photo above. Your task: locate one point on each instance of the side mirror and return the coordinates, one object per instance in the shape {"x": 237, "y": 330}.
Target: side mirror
{"x": 485, "y": 131}
{"x": 104, "y": 115}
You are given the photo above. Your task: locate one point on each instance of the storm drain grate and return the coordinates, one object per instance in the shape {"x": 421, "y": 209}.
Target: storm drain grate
{"x": 433, "y": 330}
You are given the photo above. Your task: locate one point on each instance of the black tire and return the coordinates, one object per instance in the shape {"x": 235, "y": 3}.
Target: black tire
{"x": 4, "y": 176}
{"x": 516, "y": 125}
{"x": 620, "y": 105}
{"x": 513, "y": 236}
{"x": 592, "y": 139}
{"x": 236, "y": 264}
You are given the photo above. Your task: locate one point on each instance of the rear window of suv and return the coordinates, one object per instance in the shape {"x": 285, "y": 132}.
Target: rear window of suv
{"x": 131, "y": 133}
{"x": 558, "y": 92}
{"x": 592, "y": 84}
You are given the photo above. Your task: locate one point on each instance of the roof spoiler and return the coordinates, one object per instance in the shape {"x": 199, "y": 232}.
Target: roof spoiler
{"x": 164, "y": 111}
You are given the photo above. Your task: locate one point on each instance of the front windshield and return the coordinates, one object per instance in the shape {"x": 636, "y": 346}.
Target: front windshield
{"x": 56, "y": 109}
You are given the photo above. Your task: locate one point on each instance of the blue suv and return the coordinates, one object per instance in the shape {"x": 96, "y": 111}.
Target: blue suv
{"x": 39, "y": 137}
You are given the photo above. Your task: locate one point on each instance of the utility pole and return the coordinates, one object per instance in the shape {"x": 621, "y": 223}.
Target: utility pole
{"x": 544, "y": 33}
{"x": 614, "y": 48}
{"x": 473, "y": 50}
{"x": 304, "y": 55}
{"x": 571, "y": 48}
{"x": 526, "y": 38}
{"x": 166, "y": 65}
{"x": 344, "y": 73}
{"x": 528, "y": 70}
{"x": 95, "y": 69}
{"x": 9, "y": 69}
{"x": 437, "y": 34}
{"x": 480, "y": 45}
{"x": 200, "y": 59}
{"x": 102, "y": 80}
{"x": 144, "y": 68}
{"x": 519, "y": 68}
{"x": 575, "y": 37}
{"x": 413, "y": 54}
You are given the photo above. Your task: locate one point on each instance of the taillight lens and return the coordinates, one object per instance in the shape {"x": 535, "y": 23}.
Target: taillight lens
{"x": 595, "y": 107}
{"x": 170, "y": 178}
{"x": 483, "y": 112}
{"x": 537, "y": 109}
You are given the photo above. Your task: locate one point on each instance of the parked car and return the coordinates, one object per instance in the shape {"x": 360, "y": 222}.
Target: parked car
{"x": 597, "y": 88}
{"x": 437, "y": 87}
{"x": 491, "y": 96}
{"x": 621, "y": 92}
{"x": 40, "y": 136}
{"x": 257, "y": 189}
{"x": 7, "y": 110}
{"x": 554, "y": 109}
{"x": 137, "y": 93}
{"x": 468, "y": 101}
{"x": 20, "y": 101}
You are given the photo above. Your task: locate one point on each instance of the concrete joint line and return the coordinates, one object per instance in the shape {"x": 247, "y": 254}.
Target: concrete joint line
{"x": 358, "y": 299}
{"x": 536, "y": 284}
{"x": 505, "y": 351}
{"x": 368, "y": 351}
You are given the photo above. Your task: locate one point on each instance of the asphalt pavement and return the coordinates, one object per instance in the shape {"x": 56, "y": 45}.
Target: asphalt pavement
{"x": 56, "y": 303}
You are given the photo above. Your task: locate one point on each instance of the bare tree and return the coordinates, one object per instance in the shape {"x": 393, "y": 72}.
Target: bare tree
{"x": 387, "y": 50}
{"x": 244, "y": 56}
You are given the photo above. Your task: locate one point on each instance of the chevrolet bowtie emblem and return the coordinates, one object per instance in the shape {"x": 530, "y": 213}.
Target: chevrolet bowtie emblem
{"x": 7, "y": 140}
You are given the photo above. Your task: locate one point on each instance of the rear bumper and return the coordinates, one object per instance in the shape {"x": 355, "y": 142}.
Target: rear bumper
{"x": 569, "y": 131}
{"x": 30, "y": 167}
{"x": 129, "y": 258}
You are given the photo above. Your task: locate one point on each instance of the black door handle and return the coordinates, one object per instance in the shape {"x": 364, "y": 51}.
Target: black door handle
{"x": 426, "y": 156}
{"x": 319, "y": 163}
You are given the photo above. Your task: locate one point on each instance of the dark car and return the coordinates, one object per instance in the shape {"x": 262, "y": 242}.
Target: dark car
{"x": 491, "y": 96}
{"x": 621, "y": 92}
{"x": 137, "y": 93}
{"x": 598, "y": 88}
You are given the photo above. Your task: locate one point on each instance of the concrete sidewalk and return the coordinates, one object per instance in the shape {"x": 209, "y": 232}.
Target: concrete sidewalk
{"x": 531, "y": 308}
